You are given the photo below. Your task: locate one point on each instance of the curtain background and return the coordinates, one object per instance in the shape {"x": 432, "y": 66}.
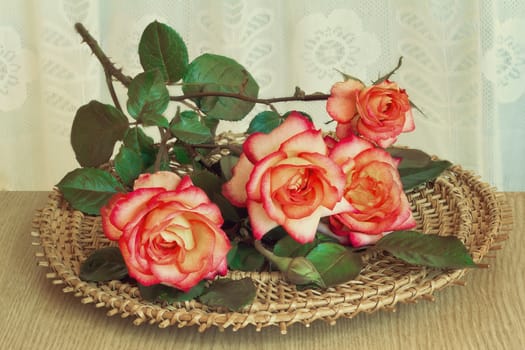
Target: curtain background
{"x": 464, "y": 66}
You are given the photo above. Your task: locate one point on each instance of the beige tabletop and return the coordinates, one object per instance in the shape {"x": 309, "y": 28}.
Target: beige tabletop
{"x": 487, "y": 313}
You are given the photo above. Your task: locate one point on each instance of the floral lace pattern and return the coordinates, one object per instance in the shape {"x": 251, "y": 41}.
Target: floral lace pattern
{"x": 15, "y": 70}
{"x": 464, "y": 65}
{"x": 330, "y": 43}
{"x": 504, "y": 62}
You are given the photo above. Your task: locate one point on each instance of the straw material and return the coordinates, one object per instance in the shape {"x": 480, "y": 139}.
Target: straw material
{"x": 457, "y": 203}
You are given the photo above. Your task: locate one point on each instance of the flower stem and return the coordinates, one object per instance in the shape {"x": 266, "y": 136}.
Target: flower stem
{"x": 266, "y": 101}
{"x": 110, "y": 68}
{"x": 111, "y": 88}
{"x": 101, "y": 56}
{"x": 163, "y": 149}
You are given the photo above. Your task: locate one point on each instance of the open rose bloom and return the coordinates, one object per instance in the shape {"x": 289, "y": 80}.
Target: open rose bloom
{"x": 293, "y": 176}
{"x": 378, "y": 113}
{"x": 168, "y": 231}
{"x": 374, "y": 190}
{"x": 286, "y": 178}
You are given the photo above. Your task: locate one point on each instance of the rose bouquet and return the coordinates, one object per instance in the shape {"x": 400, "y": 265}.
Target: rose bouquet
{"x": 283, "y": 196}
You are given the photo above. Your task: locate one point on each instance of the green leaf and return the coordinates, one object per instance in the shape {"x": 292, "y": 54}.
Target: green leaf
{"x": 161, "y": 292}
{"x": 148, "y": 98}
{"x": 416, "y": 166}
{"x": 189, "y": 129}
{"x": 141, "y": 143}
{"x": 301, "y": 271}
{"x": 162, "y": 48}
{"x": 128, "y": 164}
{"x": 208, "y": 181}
{"x": 289, "y": 247}
{"x": 155, "y": 120}
{"x": 265, "y": 122}
{"x": 228, "y": 211}
{"x": 232, "y": 294}
{"x": 212, "y": 185}
{"x": 410, "y": 158}
{"x": 95, "y": 130}
{"x": 244, "y": 257}
{"x": 104, "y": 264}
{"x": 274, "y": 235}
{"x": 335, "y": 263}
{"x": 88, "y": 189}
{"x": 164, "y": 166}
{"x": 412, "y": 177}
{"x": 220, "y": 74}
{"x": 227, "y": 163}
{"x": 181, "y": 154}
{"x": 426, "y": 249}
{"x": 211, "y": 123}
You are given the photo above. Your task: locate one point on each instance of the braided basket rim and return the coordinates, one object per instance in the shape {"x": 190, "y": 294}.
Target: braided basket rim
{"x": 456, "y": 203}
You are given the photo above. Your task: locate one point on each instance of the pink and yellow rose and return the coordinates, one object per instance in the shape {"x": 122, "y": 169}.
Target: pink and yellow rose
{"x": 374, "y": 190}
{"x": 286, "y": 178}
{"x": 379, "y": 113}
{"x": 168, "y": 231}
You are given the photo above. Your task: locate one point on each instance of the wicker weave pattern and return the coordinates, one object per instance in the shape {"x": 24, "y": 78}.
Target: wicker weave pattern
{"x": 457, "y": 203}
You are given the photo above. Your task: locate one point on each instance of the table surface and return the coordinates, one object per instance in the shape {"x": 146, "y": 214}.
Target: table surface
{"x": 487, "y": 313}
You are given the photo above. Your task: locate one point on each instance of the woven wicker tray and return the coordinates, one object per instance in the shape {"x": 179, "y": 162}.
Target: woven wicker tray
{"x": 457, "y": 203}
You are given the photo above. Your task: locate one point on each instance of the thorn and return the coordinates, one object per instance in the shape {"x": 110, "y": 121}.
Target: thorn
{"x": 483, "y": 266}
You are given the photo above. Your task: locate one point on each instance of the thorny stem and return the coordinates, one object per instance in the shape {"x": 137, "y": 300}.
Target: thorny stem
{"x": 101, "y": 56}
{"x": 163, "y": 149}
{"x": 109, "y": 82}
{"x": 266, "y": 101}
{"x": 110, "y": 68}
{"x": 388, "y": 75}
{"x": 235, "y": 149}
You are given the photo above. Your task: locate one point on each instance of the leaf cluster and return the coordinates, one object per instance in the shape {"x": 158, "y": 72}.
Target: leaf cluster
{"x": 186, "y": 137}
{"x": 324, "y": 262}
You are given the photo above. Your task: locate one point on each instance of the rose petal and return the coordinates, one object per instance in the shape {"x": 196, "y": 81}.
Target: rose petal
{"x": 409, "y": 122}
{"x": 349, "y": 147}
{"x": 196, "y": 259}
{"x": 360, "y": 239}
{"x": 303, "y": 230}
{"x": 184, "y": 183}
{"x": 235, "y": 189}
{"x": 343, "y": 130}
{"x": 375, "y": 155}
{"x": 259, "y": 145}
{"x": 341, "y": 105}
{"x": 135, "y": 270}
{"x": 127, "y": 208}
{"x": 333, "y": 178}
{"x": 172, "y": 276}
{"x": 163, "y": 179}
{"x": 260, "y": 222}
{"x": 190, "y": 281}
{"x": 111, "y": 232}
{"x": 253, "y": 187}
{"x": 192, "y": 198}
{"x": 310, "y": 140}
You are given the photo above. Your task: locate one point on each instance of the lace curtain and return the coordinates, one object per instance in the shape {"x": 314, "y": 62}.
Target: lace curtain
{"x": 464, "y": 66}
